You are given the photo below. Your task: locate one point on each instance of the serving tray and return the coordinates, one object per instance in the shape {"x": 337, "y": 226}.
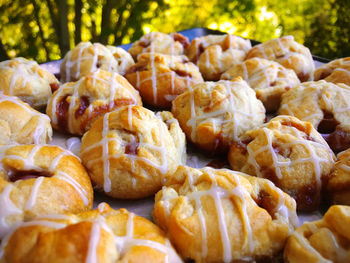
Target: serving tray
{"x": 144, "y": 207}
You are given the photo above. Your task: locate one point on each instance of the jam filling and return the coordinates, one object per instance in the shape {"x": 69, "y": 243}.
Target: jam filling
{"x": 132, "y": 148}
{"x": 62, "y": 112}
{"x": 84, "y": 104}
{"x": 136, "y": 68}
{"x": 24, "y": 175}
{"x": 328, "y": 123}
{"x": 180, "y": 38}
{"x": 54, "y": 86}
{"x": 265, "y": 201}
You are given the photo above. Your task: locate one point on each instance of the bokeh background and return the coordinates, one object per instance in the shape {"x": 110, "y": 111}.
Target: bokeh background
{"x": 45, "y": 30}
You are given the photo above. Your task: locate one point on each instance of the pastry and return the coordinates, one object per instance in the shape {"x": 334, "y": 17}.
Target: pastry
{"x": 103, "y": 235}
{"x": 338, "y": 186}
{"x": 269, "y": 79}
{"x": 325, "y": 240}
{"x": 75, "y": 105}
{"x": 28, "y": 81}
{"x": 290, "y": 153}
{"x": 325, "y": 105}
{"x": 214, "y": 54}
{"x": 160, "y": 78}
{"x": 40, "y": 179}
{"x": 290, "y": 54}
{"x": 123, "y": 58}
{"x": 87, "y": 57}
{"x": 219, "y": 215}
{"x": 157, "y": 42}
{"x": 215, "y": 114}
{"x": 19, "y": 123}
{"x": 336, "y": 71}
{"x": 130, "y": 152}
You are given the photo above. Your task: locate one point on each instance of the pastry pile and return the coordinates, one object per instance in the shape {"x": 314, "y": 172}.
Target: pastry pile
{"x": 136, "y": 112}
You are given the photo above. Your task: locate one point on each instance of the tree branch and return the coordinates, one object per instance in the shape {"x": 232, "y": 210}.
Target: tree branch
{"x": 63, "y": 37}
{"x": 3, "y": 53}
{"x": 78, "y": 5}
{"x": 106, "y": 21}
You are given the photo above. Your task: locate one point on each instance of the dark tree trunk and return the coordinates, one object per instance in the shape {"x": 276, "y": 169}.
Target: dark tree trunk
{"x": 77, "y": 20}
{"x": 41, "y": 31}
{"x": 117, "y": 39}
{"x": 106, "y": 21}
{"x": 63, "y": 37}
{"x": 3, "y": 53}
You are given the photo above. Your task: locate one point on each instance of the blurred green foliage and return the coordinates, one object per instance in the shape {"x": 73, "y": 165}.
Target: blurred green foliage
{"x": 45, "y": 30}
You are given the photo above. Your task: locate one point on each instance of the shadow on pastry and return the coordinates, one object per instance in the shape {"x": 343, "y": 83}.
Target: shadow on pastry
{"x": 290, "y": 153}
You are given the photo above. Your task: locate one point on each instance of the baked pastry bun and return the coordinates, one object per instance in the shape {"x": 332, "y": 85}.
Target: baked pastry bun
{"x": 290, "y": 153}
{"x": 28, "y": 81}
{"x": 40, "y": 179}
{"x": 269, "y": 79}
{"x": 213, "y": 215}
{"x": 157, "y": 42}
{"x": 215, "y": 114}
{"x": 325, "y": 105}
{"x": 75, "y": 105}
{"x": 87, "y": 57}
{"x": 214, "y": 54}
{"x": 160, "y": 78}
{"x": 290, "y": 54}
{"x": 130, "y": 152}
{"x": 123, "y": 58}
{"x": 19, "y": 123}
{"x": 338, "y": 186}
{"x": 103, "y": 235}
{"x": 336, "y": 71}
{"x": 325, "y": 240}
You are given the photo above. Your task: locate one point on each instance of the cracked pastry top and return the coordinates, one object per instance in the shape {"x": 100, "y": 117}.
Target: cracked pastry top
{"x": 214, "y": 54}
{"x": 130, "y": 152}
{"x": 214, "y": 114}
{"x": 88, "y": 57}
{"x": 219, "y": 215}
{"x": 161, "y": 78}
{"x": 325, "y": 240}
{"x": 75, "y": 105}
{"x": 289, "y": 53}
{"x": 157, "y": 42}
{"x": 326, "y": 106}
{"x": 27, "y": 80}
{"x": 290, "y": 153}
{"x": 101, "y": 235}
{"x": 269, "y": 79}
{"x": 336, "y": 71}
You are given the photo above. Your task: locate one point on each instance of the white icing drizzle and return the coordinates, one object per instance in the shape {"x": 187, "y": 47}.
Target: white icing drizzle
{"x": 34, "y": 193}
{"x": 42, "y": 119}
{"x": 7, "y": 208}
{"x": 93, "y": 243}
{"x": 73, "y": 92}
{"x": 105, "y": 158}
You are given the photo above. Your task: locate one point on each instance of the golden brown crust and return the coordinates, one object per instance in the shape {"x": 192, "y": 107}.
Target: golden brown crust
{"x": 19, "y": 123}
{"x": 214, "y": 54}
{"x": 101, "y": 235}
{"x": 326, "y": 240}
{"x": 160, "y": 78}
{"x": 269, "y": 79}
{"x": 215, "y": 215}
{"x": 40, "y": 179}
{"x": 325, "y": 105}
{"x": 290, "y": 153}
{"x": 123, "y": 58}
{"x": 131, "y": 151}
{"x": 157, "y": 42}
{"x": 336, "y": 71}
{"x": 75, "y": 105}
{"x": 338, "y": 186}
{"x": 87, "y": 57}
{"x": 27, "y": 80}
{"x": 288, "y": 53}
{"x": 215, "y": 114}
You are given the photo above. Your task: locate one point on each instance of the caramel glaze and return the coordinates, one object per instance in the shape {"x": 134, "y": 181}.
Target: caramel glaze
{"x": 54, "y": 86}
{"x": 62, "y": 112}
{"x": 24, "y": 175}
{"x": 182, "y": 39}
{"x": 267, "y": 202}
